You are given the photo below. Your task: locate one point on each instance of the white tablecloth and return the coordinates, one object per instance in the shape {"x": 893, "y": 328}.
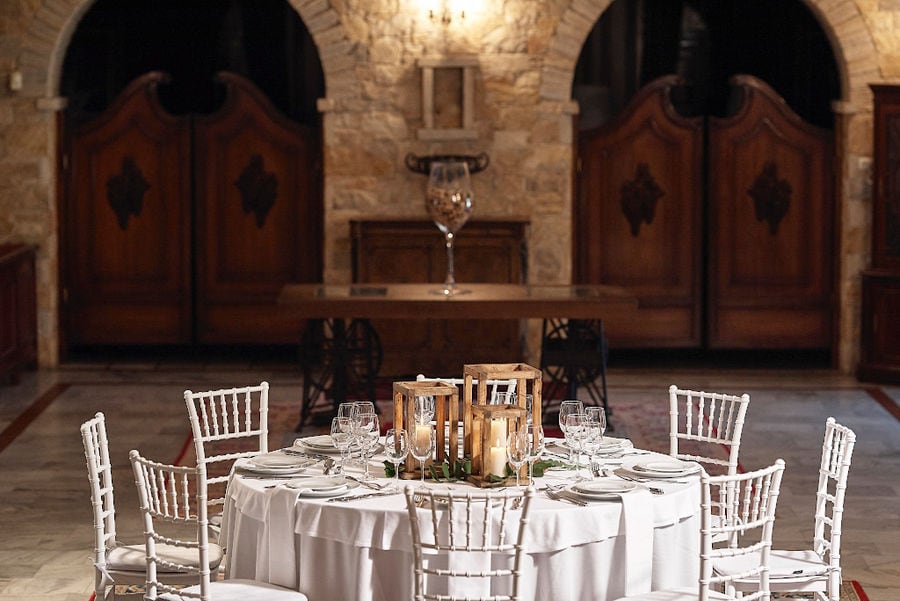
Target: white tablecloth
{"x": 362, "y": 550}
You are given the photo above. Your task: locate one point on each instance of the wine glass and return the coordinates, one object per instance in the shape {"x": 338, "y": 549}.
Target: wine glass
{"x": 342, "y": 437}
{"x": 597, "y": 415}
{"x": 423, "y": 406}
{"x": 367, "y": 432}
{"x": 591, "y": 442}
{"x": 517, "y": 452}
{"x": 422, "y": 445}
{"x": 535, "y": 435}
{"x": 575, "y": 428}
{"x": 346, "y": 409}
{"x": 396, "y": 448}
{"x": 566, "y": 408}
{"x": 448, "y": 200}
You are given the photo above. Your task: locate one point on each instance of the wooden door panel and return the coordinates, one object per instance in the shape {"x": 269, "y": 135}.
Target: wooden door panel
{"x": 256, "y": 208}
{"x": 127, "y": 224}
{"x": 770, "y": 226}
{"x": 638, "y": 218}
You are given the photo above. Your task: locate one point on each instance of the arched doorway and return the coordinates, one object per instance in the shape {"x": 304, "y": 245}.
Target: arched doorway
{"x": 191, "y": 172}
{"x": 708, "y": 191}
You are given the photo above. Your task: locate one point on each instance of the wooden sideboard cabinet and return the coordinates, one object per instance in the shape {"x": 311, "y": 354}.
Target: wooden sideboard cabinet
{"x": 414, "y": 251}
{"x": 880, "y": 334}
{"x": 18, "y": 324}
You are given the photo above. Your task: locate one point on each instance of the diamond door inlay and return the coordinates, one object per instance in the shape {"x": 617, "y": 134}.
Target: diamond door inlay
{"x": 771, "y": 196}
{"x": 639, "y": 198}
{"x": 258, "y": 189}
{"x": 125, "y": 191}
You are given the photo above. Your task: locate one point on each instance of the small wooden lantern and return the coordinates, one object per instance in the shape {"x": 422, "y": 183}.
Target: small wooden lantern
{"x": 446, "y": 413}
{"x": 490, "y": 426}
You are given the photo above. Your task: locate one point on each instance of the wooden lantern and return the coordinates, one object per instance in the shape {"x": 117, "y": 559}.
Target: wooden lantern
{"x": 446, "y": 417}
{"x": 475, "y": 390}
{"x": 490, "y": 426}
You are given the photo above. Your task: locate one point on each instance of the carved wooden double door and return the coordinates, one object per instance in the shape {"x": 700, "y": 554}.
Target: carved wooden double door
{"x": 723, "y": 227}
{"x": 182, "y": 230}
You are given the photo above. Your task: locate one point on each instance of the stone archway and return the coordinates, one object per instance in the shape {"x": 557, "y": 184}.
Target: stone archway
{"x": 857, "y": 61}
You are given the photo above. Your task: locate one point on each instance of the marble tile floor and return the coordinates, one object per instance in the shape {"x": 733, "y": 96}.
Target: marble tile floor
{"x": 45, "y": 518}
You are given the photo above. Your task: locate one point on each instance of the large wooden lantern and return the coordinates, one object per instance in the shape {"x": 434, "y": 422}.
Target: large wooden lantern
{"x": 446, "y": 418}
{"x": 485, "y": 424}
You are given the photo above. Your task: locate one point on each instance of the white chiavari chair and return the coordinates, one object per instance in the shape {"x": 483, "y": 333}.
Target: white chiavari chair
{"x": 701, "y": 421}
{"x": 753, "y": 496}
{"x": 114, "y": 561}
{"x": 227, "y": 424}
{"x": 452, "y": 531}
{"x": 173, "y": 505}
{"x": 816, "y": 570}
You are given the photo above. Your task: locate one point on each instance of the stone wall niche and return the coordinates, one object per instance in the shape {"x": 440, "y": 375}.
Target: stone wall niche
{"x": 448, "y": 97}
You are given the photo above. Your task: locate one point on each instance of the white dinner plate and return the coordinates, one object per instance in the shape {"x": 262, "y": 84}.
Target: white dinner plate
{"x": 602, "y": 489}
{"x": 265, "y": 465}
{"x": 609, "y": 445}
{"x": 322, "y": 486}
{"x": 279, "y": 460}
{"x": 322, "y": 441}
{"x": 661, "y": 468}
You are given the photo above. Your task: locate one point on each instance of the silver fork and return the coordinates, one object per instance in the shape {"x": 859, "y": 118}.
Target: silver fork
{"x": 366, "y": 483}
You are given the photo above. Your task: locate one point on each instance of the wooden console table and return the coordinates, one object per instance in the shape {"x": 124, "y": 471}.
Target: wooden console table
{"x": 347, "y": 309}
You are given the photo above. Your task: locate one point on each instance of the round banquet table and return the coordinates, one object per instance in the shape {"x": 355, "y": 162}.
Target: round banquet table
{"x": 361, "y": 550}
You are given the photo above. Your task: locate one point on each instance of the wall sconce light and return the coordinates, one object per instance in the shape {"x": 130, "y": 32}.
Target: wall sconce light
{"x": 446, "y": 12}
{"x": 445, "y": 17}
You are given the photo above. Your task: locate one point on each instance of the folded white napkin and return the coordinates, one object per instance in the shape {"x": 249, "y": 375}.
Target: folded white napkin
{"x": 638, "y": 529}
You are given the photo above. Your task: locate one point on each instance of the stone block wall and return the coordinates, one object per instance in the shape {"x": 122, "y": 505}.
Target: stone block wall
{"x": 526, "y": 52}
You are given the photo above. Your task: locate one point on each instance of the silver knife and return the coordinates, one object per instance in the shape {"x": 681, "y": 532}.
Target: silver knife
{"x": 383, "y": 493}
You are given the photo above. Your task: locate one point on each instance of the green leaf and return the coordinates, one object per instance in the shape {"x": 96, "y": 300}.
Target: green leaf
{"x": 541, "y": 466}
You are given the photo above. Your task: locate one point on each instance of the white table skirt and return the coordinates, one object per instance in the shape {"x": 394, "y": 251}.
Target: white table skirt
{"x": 362, "y": 550}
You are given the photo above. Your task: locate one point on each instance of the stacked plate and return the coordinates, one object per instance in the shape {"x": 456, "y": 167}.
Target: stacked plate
{"x": 322, "y": 443}
{"x": 317, "y": 444}
{"x": 322, "y": 486}
{"x": 609, "y": 445}
{"x": 602, "y": 490}
{"x": 277, "y": 464}
{"x": 661, "y": 468}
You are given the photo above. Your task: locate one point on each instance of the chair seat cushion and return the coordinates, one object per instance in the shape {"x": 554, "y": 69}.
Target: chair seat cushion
{"x": 784, "y": 566}
{"x": 676, "y": 594}
{"x": 133, "y": 558}
{"x": 243, "y": 590}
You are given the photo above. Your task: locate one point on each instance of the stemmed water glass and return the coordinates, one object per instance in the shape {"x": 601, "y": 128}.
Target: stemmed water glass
{"x": 342, "y": 437}
{"x": 422, "y": 445}
{"x": 575, "y": 429}
{"x": 517, "y": 452}
{"x": 535, "y": 435}
{"x": 597, "y": 415}
{"x": 396, "y": 448}
{"x": 366, "y": 431}
{"x": 566, "y": 408}
{"x": 448, "y": 200}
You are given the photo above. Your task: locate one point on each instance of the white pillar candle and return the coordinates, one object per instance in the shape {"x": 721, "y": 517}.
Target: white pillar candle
{"x": 496, "y": 463}
{"x": 423, "y": 436}
{"x": 496, "y": 460}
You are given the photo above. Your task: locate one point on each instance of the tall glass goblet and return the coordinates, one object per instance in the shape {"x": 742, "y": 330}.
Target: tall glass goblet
{"x": 597, "y": 415}
{"x": 422, "y": 445}
{"x": 367, "y": 434}
{"x": 535, "y": 435}
{"x": 517, "y": 452}
{"x": 448, "y": 200}
{"x": 576, "y": 430}
{"x": 342, "y": 437}
{"x": 565, "y": 408}
{"x": 396, "y": 448}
